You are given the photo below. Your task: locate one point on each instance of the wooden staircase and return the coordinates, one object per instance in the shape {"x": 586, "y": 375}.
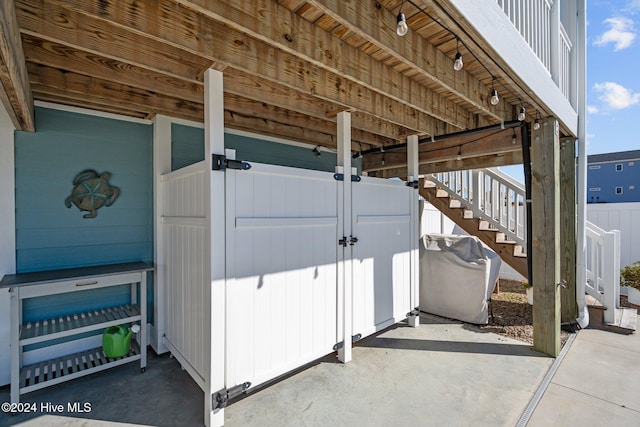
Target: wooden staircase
{"x": 510, "y": 252}
{"x": 488, "y": 204}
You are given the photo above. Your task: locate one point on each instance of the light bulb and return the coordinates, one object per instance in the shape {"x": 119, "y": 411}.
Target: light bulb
{"x": 536, "y": 124}
{"x": 494, "y": 97}
{"x": 522, "y": 114}
{"x": 402, "y": 28}
{"x": 459, "y": 157}
{"x": 514, "y": 139}
{"x": 457, "y": 64}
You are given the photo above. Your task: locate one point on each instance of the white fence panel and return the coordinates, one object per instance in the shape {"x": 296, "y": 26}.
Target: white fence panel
{"x": 185, "y": 227}
{"x": 281, "y": 270}
{"x": 382, "y": 215}
{"x": 619, "y": 216}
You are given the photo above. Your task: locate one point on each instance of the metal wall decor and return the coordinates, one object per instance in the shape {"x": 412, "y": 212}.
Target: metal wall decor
{"x": 91, "y": 192}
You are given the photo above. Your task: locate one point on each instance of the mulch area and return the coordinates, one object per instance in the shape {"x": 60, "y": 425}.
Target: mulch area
{"x": 512, "y": 315}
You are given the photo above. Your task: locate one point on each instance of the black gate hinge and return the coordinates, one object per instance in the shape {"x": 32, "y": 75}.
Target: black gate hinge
{"x": 413, "y": 184}
{"x": 414, "y": 312}
{"x": 221, "y": 398}
{"x": 219, "y": 162}
{"x": 340, "y": 177}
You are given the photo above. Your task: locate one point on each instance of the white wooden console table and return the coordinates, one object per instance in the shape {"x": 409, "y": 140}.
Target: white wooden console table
{"x": 25, "y": 379}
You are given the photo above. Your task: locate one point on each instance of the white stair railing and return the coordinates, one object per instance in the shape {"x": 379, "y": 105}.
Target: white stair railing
{"x": 497, "y": 198}
{"x": 492, "y": 196}
{"x": 603, "y": 268}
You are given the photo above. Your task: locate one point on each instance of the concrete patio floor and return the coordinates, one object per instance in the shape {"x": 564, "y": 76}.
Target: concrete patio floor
{"x": 442, "y": 373}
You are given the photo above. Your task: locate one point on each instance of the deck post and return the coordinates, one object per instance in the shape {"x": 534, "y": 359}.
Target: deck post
{"x": 345, "y": 255}
{"x": 412, "y": 175}
{"x": 568, "y": 303}
{"x": 545, "y": 196}
{"x": 215, "y": 302}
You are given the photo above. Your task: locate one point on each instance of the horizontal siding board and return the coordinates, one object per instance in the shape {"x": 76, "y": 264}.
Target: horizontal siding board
{"x": 79, "y": 256}
{"x": 31, "y": 218}
{"x": 72, "y": 237}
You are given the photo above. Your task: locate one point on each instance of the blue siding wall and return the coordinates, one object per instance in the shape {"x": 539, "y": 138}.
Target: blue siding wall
{"x": 52, "y": 236}
{"x": 187, "y": 147}
{"x": 603, "y": 178}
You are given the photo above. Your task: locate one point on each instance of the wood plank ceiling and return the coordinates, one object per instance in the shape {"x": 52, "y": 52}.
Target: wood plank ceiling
{"x": 289, "y": 66}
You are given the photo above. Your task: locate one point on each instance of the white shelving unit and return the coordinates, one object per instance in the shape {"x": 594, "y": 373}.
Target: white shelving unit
{"x": 27, "y": 378}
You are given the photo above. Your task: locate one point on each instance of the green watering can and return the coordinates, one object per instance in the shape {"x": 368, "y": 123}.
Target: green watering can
{"x": 116, "y": 340}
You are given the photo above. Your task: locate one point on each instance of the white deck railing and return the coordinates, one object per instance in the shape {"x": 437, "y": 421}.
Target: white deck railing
{"x": 499, "y": 199}
{"x": 538, "y": 21}
{"x": 532, "y": 19}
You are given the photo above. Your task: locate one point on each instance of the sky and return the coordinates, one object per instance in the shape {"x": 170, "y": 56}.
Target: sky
{"x": 613, "y": 78}
{"x": 613, "y": 75}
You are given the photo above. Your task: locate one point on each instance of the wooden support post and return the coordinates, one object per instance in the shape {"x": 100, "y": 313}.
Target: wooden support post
{"x": 215, "y": 301}
{"x": 568, "y": 303}
{"x": 412, "y": 175}
{"x": 545, "y": 196}
{"x": 344, "y": 162}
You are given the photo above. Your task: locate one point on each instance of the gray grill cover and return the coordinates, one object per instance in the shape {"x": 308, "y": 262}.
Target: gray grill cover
{"x": 457, "y": 276}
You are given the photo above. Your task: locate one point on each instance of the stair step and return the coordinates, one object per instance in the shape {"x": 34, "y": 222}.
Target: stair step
{"x": 467, "y": 214}
{"x": 441, "y": 193}
{"x": 518, "y": 251}
{"x": 485, "y": 226}
{"x": 429, "y": 184}
{"x": 626, "y": 319}
{"x": 455, "y": 204}
{"x": 502, "y": 238}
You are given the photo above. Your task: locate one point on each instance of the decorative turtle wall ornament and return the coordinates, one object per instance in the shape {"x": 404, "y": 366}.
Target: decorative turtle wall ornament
{"x": 91, "y": 192}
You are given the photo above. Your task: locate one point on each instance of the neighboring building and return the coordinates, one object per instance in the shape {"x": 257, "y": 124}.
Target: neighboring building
{"x": 614, "y": 177}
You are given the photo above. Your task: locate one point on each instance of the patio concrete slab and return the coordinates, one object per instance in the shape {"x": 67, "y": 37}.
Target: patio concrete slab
{"x": 442, "y": 373}
{"x": 596, "y": 384}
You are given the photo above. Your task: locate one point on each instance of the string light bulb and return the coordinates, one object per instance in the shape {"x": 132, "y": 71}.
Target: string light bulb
{"x": 494, "y": 94}
{"x": 522, "y": 114}
{"x": 402, "y": 28}
{"x": 536, "y": 122}
{"x": 514, "y": 139}
{"x": 458, "y": 64}
{"x": 459, "y": 156}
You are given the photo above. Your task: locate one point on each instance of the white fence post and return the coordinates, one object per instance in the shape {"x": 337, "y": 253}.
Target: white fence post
{"x": 611, "y": 274}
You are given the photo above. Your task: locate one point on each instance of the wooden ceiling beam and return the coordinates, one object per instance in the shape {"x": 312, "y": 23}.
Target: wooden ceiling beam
{"x": 240, "y": 106}
{"x": 261, "y": 90}
{"x": 50, "y": 80}
{"x": 306, "y": 40}
{"x": 378, "y": 27}
{"x": 67, "y": 58}
{"x": 15, "y": 91}
{"x": 51, "y": 21}
{"x": 217, "y": 42}
{"x": 437, "y": 151}
{"x": 480, "y": 162}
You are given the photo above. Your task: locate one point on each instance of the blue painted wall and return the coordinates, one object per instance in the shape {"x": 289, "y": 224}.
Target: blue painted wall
{"x": 187, "y": 147}
{"x": 52, "y": 236}
{"x": 603, "y": 178}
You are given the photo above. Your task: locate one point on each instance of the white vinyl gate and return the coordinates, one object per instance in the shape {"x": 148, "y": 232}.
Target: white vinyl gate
{"x": 296, "y": 265}
{"x": 281, "y": 270}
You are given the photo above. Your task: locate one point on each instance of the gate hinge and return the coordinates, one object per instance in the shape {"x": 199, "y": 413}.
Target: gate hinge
{"x": 413, "y": 184}
{"x": 221, "y": 398}
{"x": 356, "y": 338}
{"x": 219, "y": 162}
{"x": 338, "y": 346}
{"x": 414, "y": 312}
{"x": 343, "y": 241}
{"x": 340, "y": 177}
